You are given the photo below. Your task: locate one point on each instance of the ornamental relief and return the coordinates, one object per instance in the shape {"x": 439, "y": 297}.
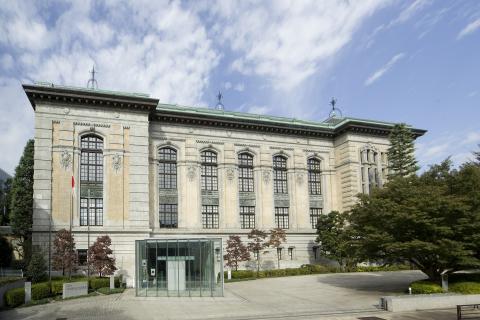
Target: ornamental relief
{"x": 266, "y": 176}
{"x": 65, "y": 159}
{"x": 191, "y": 170}
{"x": 116, "y": 162}
{"x": 230, "y": 173}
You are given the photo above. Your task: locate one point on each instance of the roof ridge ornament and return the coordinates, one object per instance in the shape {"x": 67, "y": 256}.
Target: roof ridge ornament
{"x": 220, "y": 105}
{"x": 336, "y": 112}
{"x": 92, "y": 82}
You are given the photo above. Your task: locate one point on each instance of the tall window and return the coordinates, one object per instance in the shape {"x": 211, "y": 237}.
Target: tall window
{"x": 167, "y": 168}
{"x": 369, "y": 170}
{"x": 91, "y": 180}
{"x": 247, "y": 217}
{"x": 314, "y": 215}
{"x": 314, "y": 177}
{"x": 245, "y": 172}
{"x": 209, "y": 171}
{"x": 168, "y": 216}
{"x": 210, "y": 217}
{"x": 281, "y": 217}
{"x": 280, "y": 174}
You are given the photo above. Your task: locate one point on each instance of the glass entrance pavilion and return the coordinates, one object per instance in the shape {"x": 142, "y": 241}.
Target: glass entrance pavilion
{"x": 179, "y": 267}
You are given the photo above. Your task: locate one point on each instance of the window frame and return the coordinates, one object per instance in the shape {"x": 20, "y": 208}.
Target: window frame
{"x": 209, "y": 170}
{"x": 210, "y": 217}
{"x": 314, "y": 176}
{"x": 319, "y": 212}
{"x": 280, "y": 174}
{"x": 282, "y": 217}
{"x": 246, "y": 214}
{"x": 246, "y": 182}
{"x": 170, "y": 214}
{"x": 167, "y": 168}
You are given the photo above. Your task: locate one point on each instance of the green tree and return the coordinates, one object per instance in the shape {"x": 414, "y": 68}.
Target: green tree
{"x": 36, "y": 270}
{"x": 336, "y": 240}
{"x": 401, "y": 153}
{"x": 5, "y": 200}
{"x": 432, "y": 221}
{"x": 237, "y": 252}
{"x": 477, "y": 156}
{"x": 21, "y": 205}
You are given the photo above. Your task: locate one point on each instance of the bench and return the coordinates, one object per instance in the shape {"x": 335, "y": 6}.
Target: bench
{"x": 468, "y": 311}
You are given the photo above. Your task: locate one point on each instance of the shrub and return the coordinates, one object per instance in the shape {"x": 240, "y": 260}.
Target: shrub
{"x": 57, "y": 287}
{"x": 391, "y": 267}
{"x": 96, "y": 283}
{"x": 465, "y": 287}
{"x": 319, "y": 268}
{"x": 242, "y": 274}
{"x": 40, "y": 291}
{"x": 15, "y": 297}
{"x": 464, "y": 277}
{"x": 425, "y": 287}
{"x": 107, "y": 290}
{"x": 36, "y": 270}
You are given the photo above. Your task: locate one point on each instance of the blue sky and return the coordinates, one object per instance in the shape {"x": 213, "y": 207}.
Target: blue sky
{"x": 411, "y": 61}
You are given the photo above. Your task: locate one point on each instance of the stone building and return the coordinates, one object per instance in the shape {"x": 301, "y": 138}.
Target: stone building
{"x": 148, "y": 170}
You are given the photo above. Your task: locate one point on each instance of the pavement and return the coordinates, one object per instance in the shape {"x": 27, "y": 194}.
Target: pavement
{"x": 329, "y": 296}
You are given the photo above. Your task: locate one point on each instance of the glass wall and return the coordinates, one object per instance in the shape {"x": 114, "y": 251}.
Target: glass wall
{"x": 179, "y": 267}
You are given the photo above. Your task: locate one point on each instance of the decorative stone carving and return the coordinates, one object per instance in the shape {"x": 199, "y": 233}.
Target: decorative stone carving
{"x": 300, "y": 177}
{"x": 229, "y": 133}
{"x": 230, "y": 173}
{"x": 116, "y": 115}
{"x": 116, "y": 162}
{"x": 191, "y": 170}
{"x": 65, "y": 159}
{"x": 266, "y": 176}
{"x": 66, "y": 111}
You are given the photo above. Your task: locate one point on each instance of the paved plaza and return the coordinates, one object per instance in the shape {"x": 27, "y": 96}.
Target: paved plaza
{"x": 329, "y": 296}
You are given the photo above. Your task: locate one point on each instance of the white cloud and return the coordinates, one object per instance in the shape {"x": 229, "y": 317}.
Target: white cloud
{"x": 410, "y": 11}
{"x": 470, "y": 28}
{"x": 259, "y": 109}
{"x": 384, "y": 69}
{"x": 239, "y": 87}
{"x": 6, "y": 61}
{"x": 472, "y": 94}
{"x": 288, "y": 41}
{"x": 227, "y": 85}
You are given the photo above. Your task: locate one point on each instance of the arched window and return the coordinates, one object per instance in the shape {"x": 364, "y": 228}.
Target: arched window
{"x": 280, "y": 174}
{"x": 314, "y": 176}
{"x": 167, "y": 168}
{"x": 245, "y": 172}
{"x": 209, "y": 173}
{"x": 369, "y": 170}
{"x": 91, "y": 180}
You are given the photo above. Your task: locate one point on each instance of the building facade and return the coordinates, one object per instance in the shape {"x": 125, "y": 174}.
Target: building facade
{"x": 147, "y": 170}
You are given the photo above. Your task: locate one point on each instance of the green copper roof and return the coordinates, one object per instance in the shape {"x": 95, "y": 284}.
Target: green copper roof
{"x": 88, "y": 90}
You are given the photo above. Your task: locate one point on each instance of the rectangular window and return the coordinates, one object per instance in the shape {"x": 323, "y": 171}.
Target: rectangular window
{"x": 210, "y": 217}
{"x": 314, "y": 215}
{"x": 168, "y": 216}
{"x": 291, "y": 254}
{"x": 167, "y": 178}
{"x": 91, "y": 211}
{"x": 245, "y": 172}
{"x": 247, "y": 217}
{"x": 82, "y": 257}
{"x": 281, "y": 217}
{"x": 280, "y": 174}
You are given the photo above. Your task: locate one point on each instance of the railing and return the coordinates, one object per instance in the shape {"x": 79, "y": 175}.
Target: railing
{"x": 5, "y": 272}
{"x": 468, "y": 311}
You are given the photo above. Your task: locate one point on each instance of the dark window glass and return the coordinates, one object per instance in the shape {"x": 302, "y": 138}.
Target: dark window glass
{"x": 167, "y": 168}
{"x": 280, "y": 174}
{"x": 281, "y": 217}
{"x": 245, "y": 172}
{"x": 168, "y": 216}
{"x": 314, "y": 177}
{"x": 314, "y": 215}
{"x": 209, "y": 175}
{"x": 369, "y": 170}
{"x": 247, "y": 217}
{"x": 210, "y": 217}
{"x": 91, "y": 180}
{"x": 82, "y": 257}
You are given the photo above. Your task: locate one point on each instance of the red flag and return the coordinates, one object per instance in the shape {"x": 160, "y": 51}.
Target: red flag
{"x": 73, "y": 185}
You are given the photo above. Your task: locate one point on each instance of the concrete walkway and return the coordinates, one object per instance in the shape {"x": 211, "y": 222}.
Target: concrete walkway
{"x": 329, "y": 296}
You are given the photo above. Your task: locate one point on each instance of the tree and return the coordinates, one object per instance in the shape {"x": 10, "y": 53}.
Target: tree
{"x": 6, "y": 252}
{"x": 21, "y": 206}
{"x": 432, "y": 221}
{"x": 401, "y": 154}
{"x": 257, "y": 244}
{"x": 336, "y": 240}
{"x": 277, "y": 237}
{"x": 36, "y": 270}
{"x": 64, "y": 256}
{"x": 237, "y": 252}
{"x": 99, "y": 256}
{"x": 477, "y": 156}
{"x": 5, "y": 199}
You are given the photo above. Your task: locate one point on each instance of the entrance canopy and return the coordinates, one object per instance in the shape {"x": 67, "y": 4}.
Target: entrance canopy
{"x": 179, "y": 267}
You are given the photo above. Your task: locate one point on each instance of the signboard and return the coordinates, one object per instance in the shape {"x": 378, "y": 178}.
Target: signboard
{"x": 74, "y": 289}
{"x": 144, "y": 262}
{"x": 152, "y": 272}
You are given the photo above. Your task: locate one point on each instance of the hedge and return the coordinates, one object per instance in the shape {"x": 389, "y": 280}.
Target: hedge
{"x": 107, "y": 290}
{"x": 14, "y": 297}
{"x": 425, "y": 287}
{"x": 303, "y": 270}
{"x": 465, "y": 287}
{"x": 40, "y": 291}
